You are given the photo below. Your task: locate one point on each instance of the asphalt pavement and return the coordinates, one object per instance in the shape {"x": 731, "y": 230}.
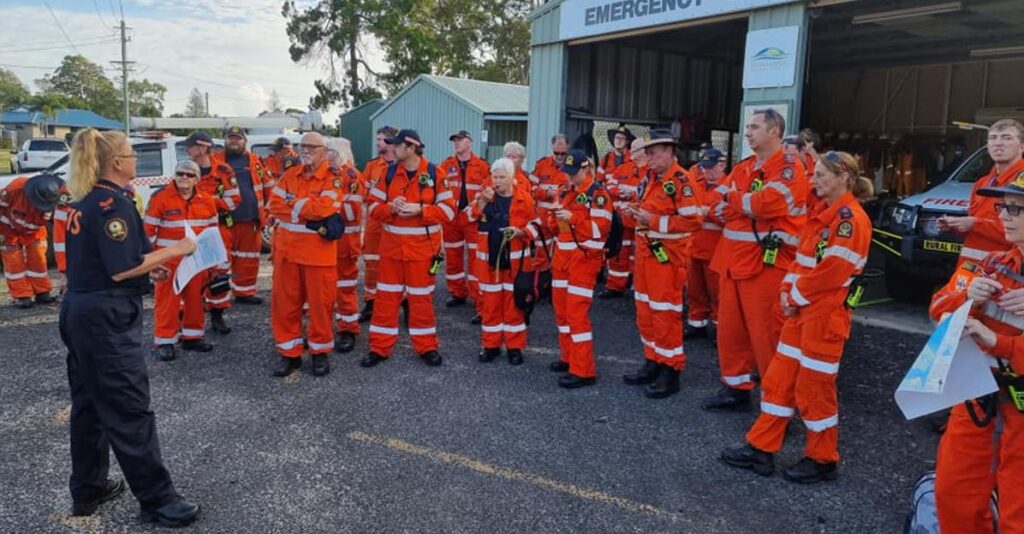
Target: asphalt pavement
{"x": 465, "y": 447}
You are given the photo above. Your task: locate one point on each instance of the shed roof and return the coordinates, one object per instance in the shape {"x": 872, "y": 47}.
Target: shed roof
{"x": 486, "y": 97}
{"x": 75, "y": 118}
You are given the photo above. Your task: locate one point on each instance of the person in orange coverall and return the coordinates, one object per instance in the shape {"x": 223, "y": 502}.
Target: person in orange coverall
{"x": 667, "y": 214}
{"x": 583, "y": 218}
{"x": 547, "y": 178}
{"x": 817, "y": 296}
{"x": 465, "y": 173}
{"x": 506, "y": 226}
{"x": 172, "y": 208}
{"x": 305, "y": 202}
{"x": 763, "y": 213}
{"x": 702, "y": 282}
{"x": 411, "y": 202}
{"x": 622, "y": 185}
{"x": 26, "y": 204}
{"x": 981, "y": 224}
{"x": 373, "y": 173}
{"x": 346, "y": 313}
{"x": 620, "y": 138}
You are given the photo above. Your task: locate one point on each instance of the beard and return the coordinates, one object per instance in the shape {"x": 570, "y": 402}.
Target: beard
{"x": 234, "y": 150}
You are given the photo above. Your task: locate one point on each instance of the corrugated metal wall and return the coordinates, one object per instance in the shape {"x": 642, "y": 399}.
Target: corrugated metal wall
{"x": 544, "y": 29}
{"x": 357, "y": 127}
{"x": 501, "y": 132}
{"x": 777, "y": 17}
{"x": 547, "y": 97}
{"x": 435, "y": 114}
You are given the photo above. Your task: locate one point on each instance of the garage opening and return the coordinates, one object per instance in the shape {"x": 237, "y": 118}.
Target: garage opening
{"x": 688, "y": 79}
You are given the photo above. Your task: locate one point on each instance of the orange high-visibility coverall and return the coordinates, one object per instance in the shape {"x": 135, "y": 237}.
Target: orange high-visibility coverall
{"x": 373, "y": 173}
{"x": 606, "y": 167}
{"x": 346, "y": 312}
{"x": 277, "y": 165}
{"x": 974, "y": 460}
{"x": 220, "y": 184}
{"x": 578, "y": 259}
{"x": 177, "y": 315}
{"x": 246, "y": 239}
{"x": 764, "y": 201}
{"x": 501, "y": 321}
{"x": 60, "y": 230}
{"x": 702, "y": 282}
{"x": 546, "y": 178}
{"x": 459, "y": 234}
{"x": 833, "y": 249}
{"x": 408, "y": 246}
{"x": 674, "y": 203}
{"x": 523, "y": 182}
{"x": 304, "y": 263}
{"x": 23, "y": 228}
{"x": 622, "y": 185}
{"x": 987, "y": 234}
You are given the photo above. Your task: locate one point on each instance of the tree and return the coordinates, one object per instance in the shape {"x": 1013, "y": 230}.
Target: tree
{"x": 196, "y": 106}
{"x": 12, "y": 91}
{"x": 274, "y": 102}
{"x": 146, "y": 98}
{"x": 82, "y": 84}
{"x": 48, "y": 104}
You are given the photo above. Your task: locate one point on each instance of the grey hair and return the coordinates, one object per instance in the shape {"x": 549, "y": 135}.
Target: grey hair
{"x": 515, "y": 148}
{"x": 559, "y": 137}
{"x": 504, "y": 164}
{"x": 187, "y": 165}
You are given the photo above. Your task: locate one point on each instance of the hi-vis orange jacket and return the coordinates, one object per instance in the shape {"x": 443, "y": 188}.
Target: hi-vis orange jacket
{"x": 20, "y": 220}
{"x": 987, "y": 234}
{"x": 477, "y": 173}
{"x": 168, "y": 213}
{"x": 297, "y": 200}
{"x": 413, "y": 238}
{"x": 221, "y": 185}
{"x": 351, "y": 210}
{"x": 833, "y": 249}
{"x": 521, "y": 215}
{"x": 767, "y": 201}
{"x": 277, "y": 165}
{"x": 674, "y": 203}
{"x": 625, "y": 180}
{"x": 587, "y": 229}
{"x": 705, "y": 242}
{"x": 547, "y": 178}
{"x": 607, "y": 164}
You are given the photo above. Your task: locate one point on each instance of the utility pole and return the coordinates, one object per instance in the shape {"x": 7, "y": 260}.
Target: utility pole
{"x": 124, "y": 72}
{"x": 207, "y": 103}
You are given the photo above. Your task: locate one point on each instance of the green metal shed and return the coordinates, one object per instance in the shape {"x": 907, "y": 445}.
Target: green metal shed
{"x": 356, "y": 127}
{"x": 436, "y": 106}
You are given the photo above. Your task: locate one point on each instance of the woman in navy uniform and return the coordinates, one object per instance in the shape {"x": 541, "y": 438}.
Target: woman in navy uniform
{"x": 109, "y": 265}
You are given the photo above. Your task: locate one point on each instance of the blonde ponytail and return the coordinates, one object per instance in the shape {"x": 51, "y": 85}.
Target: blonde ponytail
{"x": 863, "y": 188}
{"x": 91, "y": 153}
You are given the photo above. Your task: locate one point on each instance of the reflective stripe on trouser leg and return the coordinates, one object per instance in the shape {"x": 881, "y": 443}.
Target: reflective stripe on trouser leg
{"x": 735, "y": 355}
{"x": 194, "y": 319}
{"x": 346, "y": 312}
{"x": 15, "y": 272}
{"x": 503, "y": 323}
{"x": 371, "y": 258}
{"x": 512, "y": 317}
{"x": 245, "y": 261}
{"x": 621, "y": 265}
{"x": 35, "y": 260}
{"x": 582, "y": 277}
{"x": 559, "y": 292}
{"x": 454, "y": 246}
{"x": 384, "y": 324}
{"x": 644, "y": 319}
{"x": 166, "y": 312}
{"x": 820, "y": 350}
{"x": 319, "y": 283}
{"x": 419, "y": 287}
{"x": 286, "y": 299}
{"x": 491, "y": 324}
{"x": 778, "y": 394}
{"x": 664, "y": 299}
{"x": 964, "y": 477}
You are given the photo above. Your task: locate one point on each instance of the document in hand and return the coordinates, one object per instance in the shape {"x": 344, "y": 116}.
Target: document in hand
{"x": 949, "y": 370}
{"x": 209, "y": 252}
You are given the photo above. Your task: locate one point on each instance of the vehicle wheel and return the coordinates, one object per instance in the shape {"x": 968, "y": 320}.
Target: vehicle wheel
{"x": 266, "y": 234}
{"x": 903, "y": 285}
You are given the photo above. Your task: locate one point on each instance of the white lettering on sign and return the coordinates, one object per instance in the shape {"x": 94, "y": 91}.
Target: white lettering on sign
{"x": 582, "y": 18}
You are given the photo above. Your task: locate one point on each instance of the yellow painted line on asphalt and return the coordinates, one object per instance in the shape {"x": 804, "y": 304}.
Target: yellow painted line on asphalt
{"x": 516, "y": 475}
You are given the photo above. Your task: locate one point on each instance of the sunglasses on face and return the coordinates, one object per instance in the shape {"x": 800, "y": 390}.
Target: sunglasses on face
{"x": 1013, "y": 210}
{"x": 310, "y": 148}
{"x": 184, "y": 174}
{"x": 559, "y": 153}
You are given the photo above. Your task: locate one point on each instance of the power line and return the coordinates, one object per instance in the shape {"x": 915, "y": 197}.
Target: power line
{"x": 107, "y": 40}
{"x": 98, "y": 12}
{"x": 27, "y": 66}
{"x": 61, "y": 28}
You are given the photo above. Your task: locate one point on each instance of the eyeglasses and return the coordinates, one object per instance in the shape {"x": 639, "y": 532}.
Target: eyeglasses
{"x": 310, "y": 148}
{"x": 184, "y": 174}
{"x": 559, "y": 153}
{"x": 1013, "y": 210}
{"x": 131, "y": 155}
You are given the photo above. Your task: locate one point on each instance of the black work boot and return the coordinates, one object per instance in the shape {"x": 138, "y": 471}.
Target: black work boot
{"x": 24, "y": 303}
{"x": 431, "y": 358}
{"x": 371, "y": 360}
{"x": 367, "y": 312}
{"x": 166, "y": 353}
{"x": 488, "y": 355}
{"x": 320, "y": 365}
{"x": 477, "y": 319}
{"x": 196, "y": 345}
{"x": 666, "y": 384}
{"x": 111, "y": 491}
{"x": 610, "y": 294}
{"x": 346, "y": 342}
{"x": 747, "y": 457}
{"x": 251, "y": 300}
{"x": 728, "y": 400}
{"x": 808, "y": 471}
{"x": 175, "y": 514}
{"x": 694, "y": 332}
{"x": 454, "y": 302}
{"x": 559, "y": 367}
{"x": 217, "y": 322}
{"x": 646, "y": 375}
{"x": 515, "y": 357}
{"x": 286, "y": 366}
{"x": 45, "y": 298}
{"x": 571, "y": 381}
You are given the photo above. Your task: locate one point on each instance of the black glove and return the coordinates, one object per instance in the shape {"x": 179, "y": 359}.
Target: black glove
{"x": 219, "y": 284}
{"x": 330, "y": 228}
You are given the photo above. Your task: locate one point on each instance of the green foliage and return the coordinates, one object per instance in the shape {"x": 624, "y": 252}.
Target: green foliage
{"x": 12, "y": 91}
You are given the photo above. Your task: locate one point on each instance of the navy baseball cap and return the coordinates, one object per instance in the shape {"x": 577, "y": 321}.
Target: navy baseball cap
{"x": 574, "y": 161}
{"x": 459, "y": 135}
{"x": 199, "y": 138}
{"x": 281, "y": 142}
{"x": 711, "y": 157}
{"x": 406, "y": 136}
{"x": 234, "y": 130}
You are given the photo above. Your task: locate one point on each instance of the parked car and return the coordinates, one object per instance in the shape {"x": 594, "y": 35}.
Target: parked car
{"x": 36, "y": 154}
{"x": 920, "y": 256}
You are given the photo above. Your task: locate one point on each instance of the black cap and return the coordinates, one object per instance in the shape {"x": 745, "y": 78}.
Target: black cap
{"x": 711, "y": 157}
{"x": 199, "y": 138}
{"x": 1016, "y": 187}
{"x": 660, "y": 136}
{"x": 406, "y": 136}
{"x": 459, "y": 135}
{"x": 793, "y": 140}
{"x": 574, "y": 161}
{"x": 280, "y": 143}
{"x": 234, "y": 130}
{"x": 43, "y": 191}
{"x": 620, "y": 130}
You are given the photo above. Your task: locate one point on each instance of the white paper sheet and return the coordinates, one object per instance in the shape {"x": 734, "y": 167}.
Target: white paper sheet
{"x": 210, "y": 251}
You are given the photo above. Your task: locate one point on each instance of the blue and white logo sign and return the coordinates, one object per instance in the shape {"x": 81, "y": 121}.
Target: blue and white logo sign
{"x": 770, "y": 59}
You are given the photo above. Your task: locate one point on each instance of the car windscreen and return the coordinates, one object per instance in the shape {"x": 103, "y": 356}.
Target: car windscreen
{"x": 150, "y": 161}
{"x": 47, "y": 146}
{"x": 262, "y": 150}
{"x": 977, "y": 166}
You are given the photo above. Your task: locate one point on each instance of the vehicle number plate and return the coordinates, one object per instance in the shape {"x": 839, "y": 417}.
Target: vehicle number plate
{"x": 942, "y": 246}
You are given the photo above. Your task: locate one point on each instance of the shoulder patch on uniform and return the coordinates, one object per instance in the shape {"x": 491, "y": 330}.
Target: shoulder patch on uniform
{"x": 845, "y": 212}
{"x": 116, "y": 229}
{"x": 961, "y": 283}
{"x": 425, "y": 180}
{"x": 233, "y": 181}
{"x": 845, "y": 229}
{"x": 669, "y": 187}
{"x": 687, "y": 191}
{"x": 600, "y": 201}
{"x": 337, "y": 183}
{"x": 787, "y": 173}
{"x": 353, "y": 188}
{"x": 969, "y": 266}
{"x": 107, "y": 205}
{"x": 581, "y": 198}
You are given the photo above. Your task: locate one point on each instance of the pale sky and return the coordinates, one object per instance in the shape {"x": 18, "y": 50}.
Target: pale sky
{"x": 235, "y": 50}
